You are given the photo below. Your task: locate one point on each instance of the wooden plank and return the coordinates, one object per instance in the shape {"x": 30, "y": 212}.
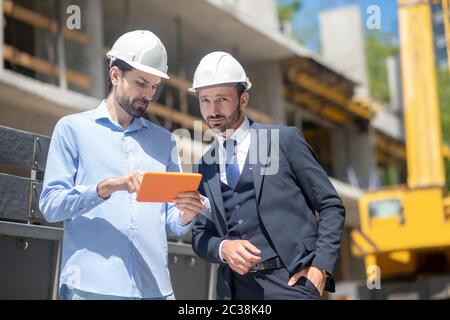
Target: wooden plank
{"x": 317, "y": 107}
{"x": 390, "y": 146}
{"x": 184, "y": 119}
{"x": 334, "y": 96}
{"x": 318, "y": 71}
{"x": 258, "y": 116}
{"x": 391, "y": 150}
{"x": 180, "y": 83}
{"x": 37, "y": 20}
{"x": 28, "y": 61}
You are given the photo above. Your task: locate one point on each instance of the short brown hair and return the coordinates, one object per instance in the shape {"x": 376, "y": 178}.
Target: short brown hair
{"x": 122, "y": 65}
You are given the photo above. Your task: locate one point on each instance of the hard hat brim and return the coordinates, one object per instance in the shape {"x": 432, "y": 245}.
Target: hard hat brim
{"x": 136, "y": 65}
{"x": 248, "y": 85}
{"x": 149, "y": 70}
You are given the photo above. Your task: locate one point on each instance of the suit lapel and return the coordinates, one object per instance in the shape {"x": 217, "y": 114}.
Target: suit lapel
{"x": 259, "y": 152}
{"x": 259, "y": 155}
{"x": 212, "y": 176}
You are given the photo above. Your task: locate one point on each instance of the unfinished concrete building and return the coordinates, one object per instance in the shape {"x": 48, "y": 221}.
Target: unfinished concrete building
{"x": 47, "y": 72}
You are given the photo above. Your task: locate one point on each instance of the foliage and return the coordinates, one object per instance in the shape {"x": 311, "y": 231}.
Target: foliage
{"x": 379, "y": 46}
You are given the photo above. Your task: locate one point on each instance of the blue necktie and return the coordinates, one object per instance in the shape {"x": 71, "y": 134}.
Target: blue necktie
{"x": 231, "y": 163}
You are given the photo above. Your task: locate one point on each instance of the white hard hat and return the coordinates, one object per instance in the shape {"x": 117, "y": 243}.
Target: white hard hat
{"x": 219, "y": 68}
{"x": 142, "y": 50}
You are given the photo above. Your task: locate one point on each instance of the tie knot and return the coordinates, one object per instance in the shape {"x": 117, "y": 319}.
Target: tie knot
{"x": 230, "y": 145}
{"x": 230, "y": 152}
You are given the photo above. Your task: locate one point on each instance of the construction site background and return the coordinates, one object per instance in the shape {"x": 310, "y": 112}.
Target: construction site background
{"x": 347, "y": 98}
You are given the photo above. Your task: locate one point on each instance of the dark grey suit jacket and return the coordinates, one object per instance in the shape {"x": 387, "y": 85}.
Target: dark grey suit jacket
{"x": 287, "y": 202}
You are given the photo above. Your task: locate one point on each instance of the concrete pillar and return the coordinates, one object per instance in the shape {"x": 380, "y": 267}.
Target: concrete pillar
{"x": 60, "y": 45}
{"x": 180, "y": 66}
{"x": 93, "y": 53}
{"x": 361, "y": 154}
{"x": 395, "y": 83}
{"x": 267, "y": 91}
{"x": 342, "y": 43}
{"x": 353, "y": 154}
{"x": 45, "y": 41}
{"x": 263, "y": 11}
{"x": 88, "y": 59}
{"x": 51, "y": 47}
{"x": 339, "y": 153}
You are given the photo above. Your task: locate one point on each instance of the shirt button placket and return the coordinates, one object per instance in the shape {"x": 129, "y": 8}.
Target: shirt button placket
{"x": 125, "y": 149}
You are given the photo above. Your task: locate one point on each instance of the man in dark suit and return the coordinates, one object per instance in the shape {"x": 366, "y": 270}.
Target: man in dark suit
{"x": 265, "y": 187}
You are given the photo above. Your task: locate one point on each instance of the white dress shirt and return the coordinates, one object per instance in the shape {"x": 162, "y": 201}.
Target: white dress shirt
{"x": 242, "y": 138}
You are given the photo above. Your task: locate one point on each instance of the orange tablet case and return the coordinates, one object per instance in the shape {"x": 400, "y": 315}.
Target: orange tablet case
{"x": 164, "y": 186}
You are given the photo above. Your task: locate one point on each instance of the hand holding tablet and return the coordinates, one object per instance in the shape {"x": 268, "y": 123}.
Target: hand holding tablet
{"x": 165, "y": 186}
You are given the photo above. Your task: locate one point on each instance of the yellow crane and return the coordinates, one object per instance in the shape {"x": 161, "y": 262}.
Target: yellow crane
{"x": 405, "y": 230}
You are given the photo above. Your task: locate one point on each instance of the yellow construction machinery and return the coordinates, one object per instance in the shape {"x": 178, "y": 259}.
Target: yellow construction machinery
{"x": 405, "y": 231}
{"x": 446, "y": 15}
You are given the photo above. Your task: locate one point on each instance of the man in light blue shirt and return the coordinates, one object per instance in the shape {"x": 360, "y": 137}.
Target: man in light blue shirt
{"x": 115, "y": 247}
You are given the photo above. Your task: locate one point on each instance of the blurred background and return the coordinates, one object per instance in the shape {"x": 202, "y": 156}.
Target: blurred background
{"x": 367, "y": 81}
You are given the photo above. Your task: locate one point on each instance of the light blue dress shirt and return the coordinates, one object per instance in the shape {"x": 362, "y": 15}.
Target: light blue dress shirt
{"x": 116, "y": 246}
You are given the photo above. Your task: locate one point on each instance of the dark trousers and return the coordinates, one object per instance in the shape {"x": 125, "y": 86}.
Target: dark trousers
{"x": 271, "y": 285}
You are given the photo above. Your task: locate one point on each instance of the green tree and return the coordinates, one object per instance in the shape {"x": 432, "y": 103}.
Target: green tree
{"x": 308, "y": 32}
{"x": 286, "y": 10}
{"x": 444, "y": 101}
{"x": 379, "y": 46}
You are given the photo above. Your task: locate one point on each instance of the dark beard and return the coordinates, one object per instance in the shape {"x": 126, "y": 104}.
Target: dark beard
{"x": 127, "y": 105}
{"x": 229, "y": 121}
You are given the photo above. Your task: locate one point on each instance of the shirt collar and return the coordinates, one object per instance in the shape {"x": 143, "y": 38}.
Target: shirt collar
{"x": 238, "y": 135}
{"x": 102, "y": 113}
